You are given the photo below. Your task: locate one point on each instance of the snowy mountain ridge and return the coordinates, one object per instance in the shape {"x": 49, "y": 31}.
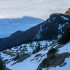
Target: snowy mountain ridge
{"x": 45, "y": 46}
{"x": 52, "y": 28}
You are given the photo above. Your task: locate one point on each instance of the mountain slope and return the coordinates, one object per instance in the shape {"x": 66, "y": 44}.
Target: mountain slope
{"x": 52, "y": 28}
{"x": 33, "y": 62}
{"x": 9, "y": 26}
{"x": 65, "y": 50}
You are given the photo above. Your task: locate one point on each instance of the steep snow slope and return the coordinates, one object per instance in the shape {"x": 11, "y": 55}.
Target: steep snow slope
{"x": 9, "y": 26}
{"x": 65, "y": 48}
{"x": 32, "y": 62}
{"x": 28, "y": 64}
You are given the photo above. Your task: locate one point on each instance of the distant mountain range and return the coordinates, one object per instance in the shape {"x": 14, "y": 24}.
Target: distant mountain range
{"x": 54, "y": 26}
{"x": 9, "y": 26}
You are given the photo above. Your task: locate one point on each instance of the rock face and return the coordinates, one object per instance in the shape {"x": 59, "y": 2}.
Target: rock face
{"x": 48, "y": 30}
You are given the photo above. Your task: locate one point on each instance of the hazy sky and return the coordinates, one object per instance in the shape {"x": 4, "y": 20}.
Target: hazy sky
{"x": 35, "y": 8}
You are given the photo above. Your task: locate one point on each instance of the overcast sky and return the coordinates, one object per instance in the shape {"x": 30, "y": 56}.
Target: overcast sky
{"x": 35, "y": 8}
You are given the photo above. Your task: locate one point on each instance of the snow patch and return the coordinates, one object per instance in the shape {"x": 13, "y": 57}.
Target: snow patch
{"x": 65, "y": 48}
{"x": 65, "y": 18}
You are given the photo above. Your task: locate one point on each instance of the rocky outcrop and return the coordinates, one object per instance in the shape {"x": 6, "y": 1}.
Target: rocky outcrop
{"x": 67, "y": 12}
